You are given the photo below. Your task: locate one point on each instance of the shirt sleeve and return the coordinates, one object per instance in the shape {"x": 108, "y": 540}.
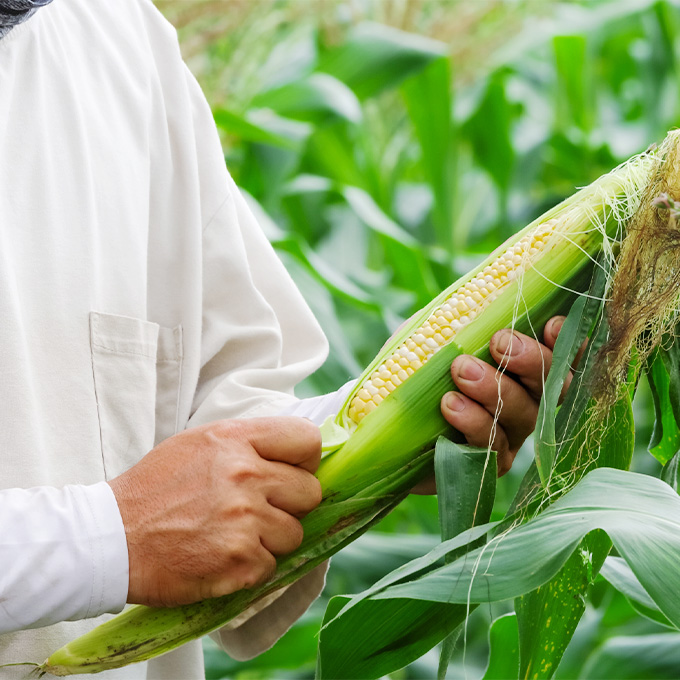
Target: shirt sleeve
{"x": 63, "y": 554}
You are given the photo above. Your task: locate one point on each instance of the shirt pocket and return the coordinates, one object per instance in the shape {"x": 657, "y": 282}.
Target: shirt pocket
{"x": 136, "y": 367}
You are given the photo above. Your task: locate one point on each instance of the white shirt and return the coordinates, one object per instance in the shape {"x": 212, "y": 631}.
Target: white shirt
{"x": 137, "y": 297}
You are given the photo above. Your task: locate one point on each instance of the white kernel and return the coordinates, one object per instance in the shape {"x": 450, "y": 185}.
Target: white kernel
{"x": 448, "y": 315}
{"x": 439, "y": 339}
{"x": 384, "y": 392}
{"x": 372, "y": 390}
{"x": 385, "y": 374}
{"x": 403, "y": 362}
{"x": 412, "y": 356}
{"x": 376, "y": 381}
{"x": 427, "y": 331}
{"x": 364, "y": 394}
{"x": 469, "y": 302}
{"x": 464, "y": 320}
{"x": 431, "y": 343}
{"x": 410, "y": 371}
{"x": 477, "y": 296}
{"x": 419, "y": 339}
{"x": 402, "y": 375}
{"x": 447, "y": 332}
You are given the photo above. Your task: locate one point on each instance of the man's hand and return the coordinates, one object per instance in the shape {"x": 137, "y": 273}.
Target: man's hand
{"x": 485, "y": 392}
{"x": 207, "y": 510}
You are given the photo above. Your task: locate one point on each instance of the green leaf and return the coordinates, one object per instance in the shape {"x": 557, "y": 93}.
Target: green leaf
{"x": 640, "y": 514}
{"x": 377, "y": 57}
{"x": 429, "y": 105}
{"x": 669, "y": 474}
{"x": 620, "y": 575}
{"x": 665, "y": 441}
{"x": 389, "y": 634}
{"x": 574, "y": 331}
{"x": 634, "y": 657}
{"x": 548, "y": 616}
{"x": 504, "y": 649}
{"x": 466, "y": 488}
{"x": 489, "y": 131}
{"x": 261, "y": 130}
{"x": 570, "y": 59}
{"x": 313, "y": 98}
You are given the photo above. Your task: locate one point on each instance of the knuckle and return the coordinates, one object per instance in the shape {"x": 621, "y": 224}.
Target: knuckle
{"x": 315, "y": 493}
{"x": 243, "y": 469}
{"x": 311, "y": 433}
{"x": 295, "y": 533}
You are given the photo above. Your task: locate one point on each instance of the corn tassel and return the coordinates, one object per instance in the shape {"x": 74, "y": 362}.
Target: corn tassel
{"x": 387, "y": 428}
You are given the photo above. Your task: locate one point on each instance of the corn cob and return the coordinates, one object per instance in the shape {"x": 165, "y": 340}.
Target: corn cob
{"x": 390, "y": 421}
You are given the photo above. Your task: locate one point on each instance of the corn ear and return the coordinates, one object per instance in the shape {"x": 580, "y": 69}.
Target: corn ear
{"x": 384, "y": 446}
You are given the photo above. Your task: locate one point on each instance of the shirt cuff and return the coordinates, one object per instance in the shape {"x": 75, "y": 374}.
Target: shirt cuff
{"x": 63, "y": 555}
{"x": 111, "y": 572}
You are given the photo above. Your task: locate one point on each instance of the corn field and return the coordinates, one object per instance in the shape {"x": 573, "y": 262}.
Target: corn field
{"x": 387, "y": 148}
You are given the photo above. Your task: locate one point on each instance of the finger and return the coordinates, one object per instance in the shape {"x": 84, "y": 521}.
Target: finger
{"x": 478, "y": 426}
{"x": 282, "y": 533}
{"x": 552, "y": 330}
{"x": 255, "y": 568}
{"x": 292, "y": 440}
{"x": 523, "y": 356}
{"x": 500, "y": 395}
{"x": 292, "y": 489}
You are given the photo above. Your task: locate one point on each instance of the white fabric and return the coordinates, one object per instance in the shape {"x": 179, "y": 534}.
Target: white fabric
{"x": 76, "y": 533}
{"x": 137, "y": 297}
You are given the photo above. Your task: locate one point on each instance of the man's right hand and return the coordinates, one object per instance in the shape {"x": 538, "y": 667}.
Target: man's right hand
{"x": 207, "y": 511}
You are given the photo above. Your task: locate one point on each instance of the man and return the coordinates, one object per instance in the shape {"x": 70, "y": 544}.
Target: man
{"x": 139, "y": 300}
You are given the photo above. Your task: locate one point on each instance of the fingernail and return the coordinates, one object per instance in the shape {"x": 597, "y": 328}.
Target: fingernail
{"x": 509, "y": 344}
{"x": 556, "y": 325}
{"x": 471, "y": 369}
{"x": 453, "y": 402}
